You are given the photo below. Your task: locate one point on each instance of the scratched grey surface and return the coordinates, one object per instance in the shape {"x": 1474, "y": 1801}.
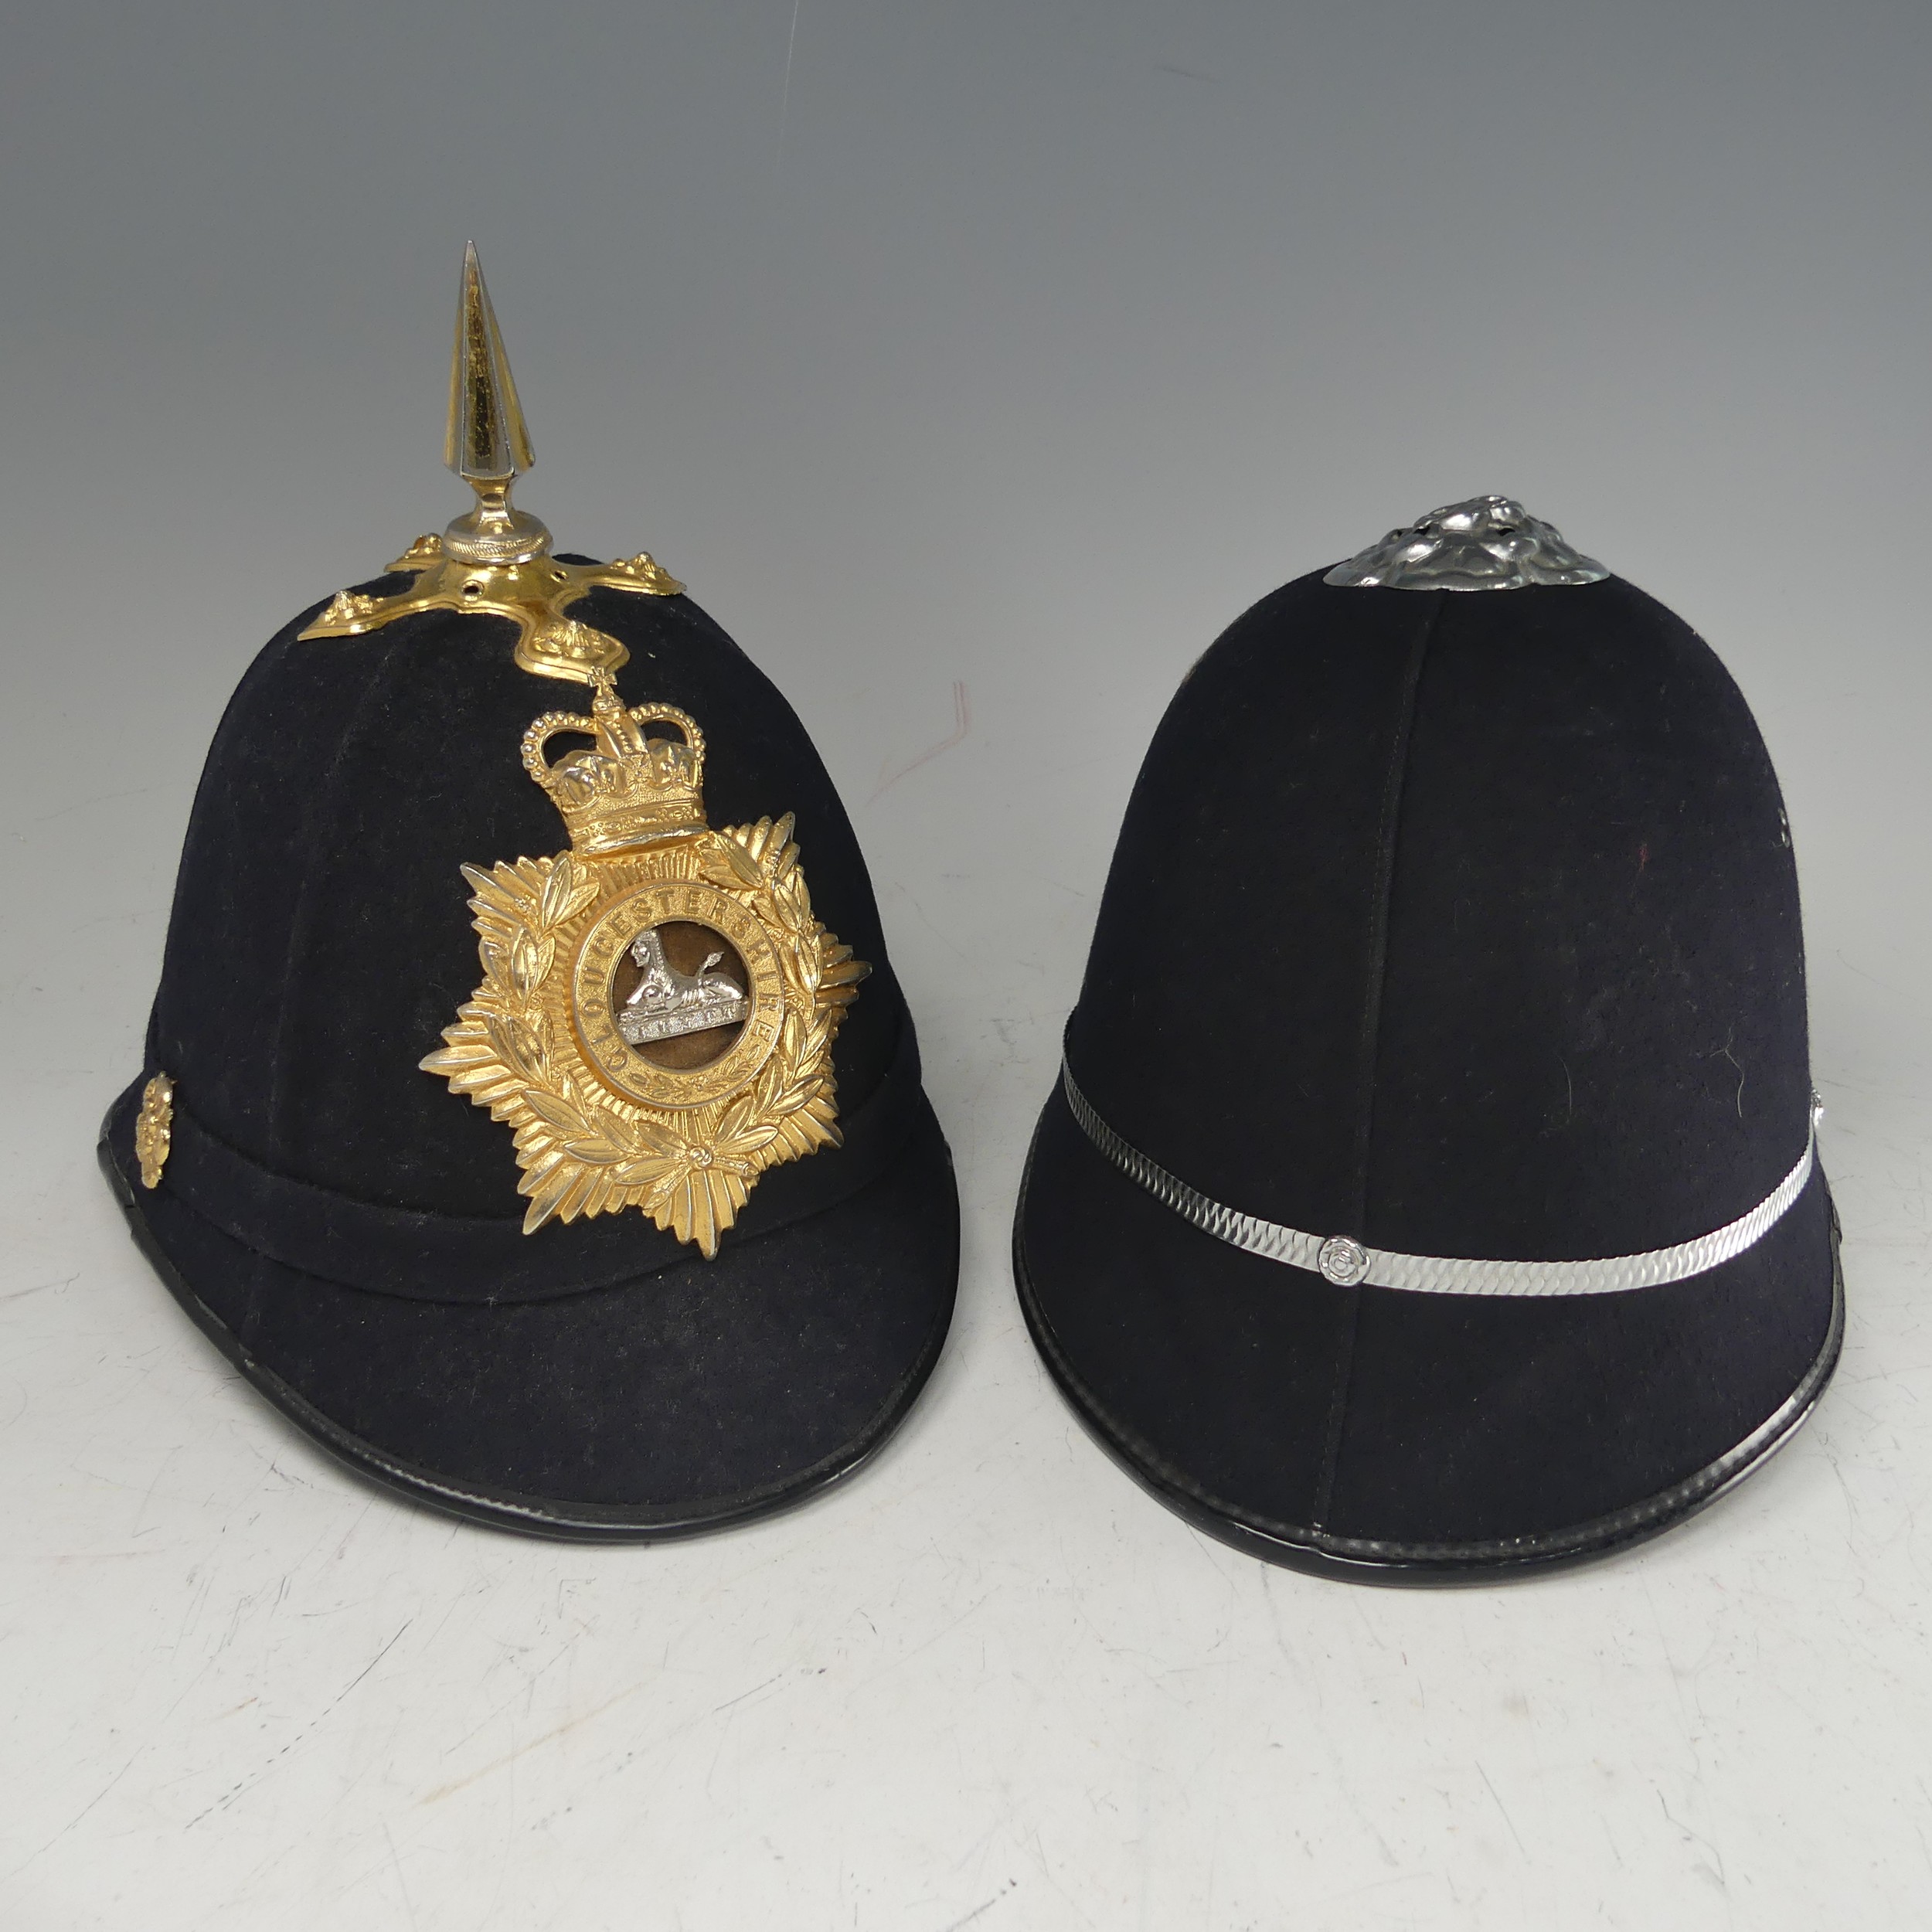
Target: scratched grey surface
{"x": 975, "y": 365}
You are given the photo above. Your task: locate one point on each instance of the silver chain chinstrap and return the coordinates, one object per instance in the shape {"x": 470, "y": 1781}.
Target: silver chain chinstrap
{"x": 1341, "y": 1259}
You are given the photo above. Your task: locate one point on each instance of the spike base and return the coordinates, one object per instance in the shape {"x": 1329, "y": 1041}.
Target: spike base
{"x": 532, "y": 592}
{"x": 496, "y": 530}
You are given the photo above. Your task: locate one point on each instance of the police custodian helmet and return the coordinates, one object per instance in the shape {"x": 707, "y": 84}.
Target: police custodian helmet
{"x": 610, "y": 1204}
{"x": 1430, "y": 1188}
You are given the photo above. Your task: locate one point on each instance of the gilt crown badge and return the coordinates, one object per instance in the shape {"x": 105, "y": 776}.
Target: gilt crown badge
{"x": 630, "y": 788}
{"x": 657, "y": 1006}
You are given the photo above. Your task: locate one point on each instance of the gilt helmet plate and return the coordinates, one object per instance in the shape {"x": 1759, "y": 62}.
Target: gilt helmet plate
{"x": 659, "y": 1003}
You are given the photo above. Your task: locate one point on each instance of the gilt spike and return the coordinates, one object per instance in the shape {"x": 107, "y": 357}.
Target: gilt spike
{"x": 487, "y": 443}
{"x": 487, "y": 440}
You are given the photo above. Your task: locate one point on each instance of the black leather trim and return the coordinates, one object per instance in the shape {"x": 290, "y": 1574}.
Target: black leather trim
{"x": 1363, "y": 1560}
{"x": 574, "y": 1521}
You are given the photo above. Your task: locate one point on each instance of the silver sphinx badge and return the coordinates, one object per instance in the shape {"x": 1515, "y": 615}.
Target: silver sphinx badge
{"x": 666, "y": 1004}
{"x": 1488, "y": 543}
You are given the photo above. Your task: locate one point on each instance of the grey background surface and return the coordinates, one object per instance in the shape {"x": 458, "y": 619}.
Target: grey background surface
{"x": 974, "y": 365}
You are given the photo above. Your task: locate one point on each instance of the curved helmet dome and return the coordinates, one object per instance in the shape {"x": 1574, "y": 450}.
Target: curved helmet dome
{"x": 515, "y": 1114}
{"x": 1431, "y": 1186}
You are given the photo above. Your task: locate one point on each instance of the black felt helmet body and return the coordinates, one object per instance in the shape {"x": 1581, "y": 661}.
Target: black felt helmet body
{"x": 348, "y": 1227}
{"x": 1431, "y": 1186}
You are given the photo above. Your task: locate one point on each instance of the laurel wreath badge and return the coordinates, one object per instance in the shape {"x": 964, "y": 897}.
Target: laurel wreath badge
{"x": 599, "y": 1126}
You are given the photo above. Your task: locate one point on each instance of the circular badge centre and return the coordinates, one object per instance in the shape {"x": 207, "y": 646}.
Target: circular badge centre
{"x": 678, "y": 995}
